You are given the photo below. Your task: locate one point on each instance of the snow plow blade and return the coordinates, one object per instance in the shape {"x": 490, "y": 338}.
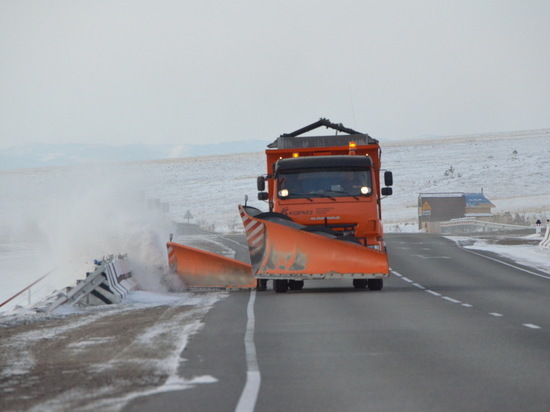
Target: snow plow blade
{"x": 281, "y": 249}
{"x": 199, "y": 268}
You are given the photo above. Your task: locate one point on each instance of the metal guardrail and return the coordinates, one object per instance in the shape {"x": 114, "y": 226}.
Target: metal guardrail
{"x": 26, "y": 289}
{"x": 109, "y": 283}
{"x": 468, "y": 225}
{"x": 545, "y": 242}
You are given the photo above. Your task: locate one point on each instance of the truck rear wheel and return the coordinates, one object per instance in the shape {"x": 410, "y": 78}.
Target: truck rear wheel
{"x": 360, "y": 283}
{"x": 280, "y": 285}
{"x": 376, "y": 284}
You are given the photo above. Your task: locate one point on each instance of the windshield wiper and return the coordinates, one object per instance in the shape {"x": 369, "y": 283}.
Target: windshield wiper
{"x": 325, "y": 195}
{"x": 299, "y": 196}
{"x": 344, "y": 193}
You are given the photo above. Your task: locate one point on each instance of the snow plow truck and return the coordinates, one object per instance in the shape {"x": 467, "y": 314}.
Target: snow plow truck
{"x": 323, "y": 220}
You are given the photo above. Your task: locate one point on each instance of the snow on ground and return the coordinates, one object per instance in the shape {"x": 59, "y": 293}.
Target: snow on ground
{"x": 525, "y": 254}
{"x": 94, "y": 368}
{"x": 511, "y": 169}
{"x": 64, "y": 218}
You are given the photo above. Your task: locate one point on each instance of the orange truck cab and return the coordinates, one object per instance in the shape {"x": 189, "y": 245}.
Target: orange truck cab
{"x": 328, "y": 183}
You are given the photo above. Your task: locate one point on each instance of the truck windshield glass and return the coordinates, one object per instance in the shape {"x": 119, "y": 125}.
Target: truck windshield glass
{"x": 309, "y": 183}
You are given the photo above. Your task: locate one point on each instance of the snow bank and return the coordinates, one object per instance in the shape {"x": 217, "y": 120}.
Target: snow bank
{"x": 528, "y": 255}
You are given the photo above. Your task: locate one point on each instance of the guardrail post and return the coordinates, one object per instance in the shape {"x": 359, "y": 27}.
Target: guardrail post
{"x": 109, "y": 283}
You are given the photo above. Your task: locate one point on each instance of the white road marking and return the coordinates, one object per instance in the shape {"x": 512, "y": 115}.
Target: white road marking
{"x": 451, "y": 299}
{"x": 508, "y": 264}
{"x": 531, "y": 326}
{"x": 466, "y": 305}
{"x": 431, "y": 292}
{"x": 431, "y": 257}
{"x": 249, "y": 396}
{"x": 237, "y": 243}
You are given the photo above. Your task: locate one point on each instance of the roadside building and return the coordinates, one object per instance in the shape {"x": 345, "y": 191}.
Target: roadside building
{"x": 434, "y": 208}
{"x": 478, "y": 206}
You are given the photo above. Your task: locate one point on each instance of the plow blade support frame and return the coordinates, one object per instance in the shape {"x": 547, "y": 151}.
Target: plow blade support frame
{"x": 279, "y": 249}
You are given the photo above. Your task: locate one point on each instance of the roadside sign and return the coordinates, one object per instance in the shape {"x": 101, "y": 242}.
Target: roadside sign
{"x": 426, "y": 209}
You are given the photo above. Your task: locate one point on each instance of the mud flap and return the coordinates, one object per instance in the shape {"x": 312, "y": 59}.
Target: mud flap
{"x": 280, "y": 249}
{"x": 199, "y": 268}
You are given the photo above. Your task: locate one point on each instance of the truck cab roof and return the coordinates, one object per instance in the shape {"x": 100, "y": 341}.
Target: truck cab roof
{"x": 295, "y": 141}
{"x": 315, "y": 162}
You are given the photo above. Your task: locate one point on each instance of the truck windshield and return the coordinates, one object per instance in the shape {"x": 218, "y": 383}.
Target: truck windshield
{"x": 332, "y": 183}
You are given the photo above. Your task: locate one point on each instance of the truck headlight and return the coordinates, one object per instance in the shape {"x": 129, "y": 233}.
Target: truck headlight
{"x": 365, "y": 190}
{"x": 283, "y": 193}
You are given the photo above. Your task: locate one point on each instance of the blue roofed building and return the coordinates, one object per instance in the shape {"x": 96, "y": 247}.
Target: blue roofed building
{"x": 478, "y": 206}
{"x": 446, "y": 206}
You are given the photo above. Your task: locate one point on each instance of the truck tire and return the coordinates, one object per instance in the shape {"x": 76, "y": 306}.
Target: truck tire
{"x": 295, "y": 284}
{"x": 262, "y": 284}
{"x": 280, "y": 285}
{"x": 360, "y": 283}
{"x": 376, "y": 284}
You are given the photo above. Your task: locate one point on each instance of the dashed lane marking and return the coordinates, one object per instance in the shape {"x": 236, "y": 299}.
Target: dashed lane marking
{"x": 431, "y": 257}
{"x": 449, "y": 299}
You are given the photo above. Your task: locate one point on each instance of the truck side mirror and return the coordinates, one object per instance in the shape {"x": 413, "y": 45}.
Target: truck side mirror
{"x": 387, "y": 191}
{"x": 388, "y": 178}
{"x": 260, "y": 182}
{"x": 263, "y": 196}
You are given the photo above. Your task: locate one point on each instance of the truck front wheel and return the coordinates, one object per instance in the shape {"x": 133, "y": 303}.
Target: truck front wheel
{"x": 360, "y": 283}
{"x": 262, "y": 284}
{"x": 280, "y": 285}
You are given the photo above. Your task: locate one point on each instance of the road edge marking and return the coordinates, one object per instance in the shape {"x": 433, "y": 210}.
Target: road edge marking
{"x": 249, "y": 395}
{"x": 504, "y": 263}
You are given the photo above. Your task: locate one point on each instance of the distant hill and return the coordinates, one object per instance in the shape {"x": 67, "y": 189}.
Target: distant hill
{"x": 37, "y": 155}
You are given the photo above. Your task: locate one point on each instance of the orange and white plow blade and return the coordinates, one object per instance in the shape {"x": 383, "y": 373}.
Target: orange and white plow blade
{"x": 199, "y": 268}
{"x": 284, "y": 252}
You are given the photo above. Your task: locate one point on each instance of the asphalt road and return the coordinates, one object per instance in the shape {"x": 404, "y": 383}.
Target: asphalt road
{"x": 451, "y": 330}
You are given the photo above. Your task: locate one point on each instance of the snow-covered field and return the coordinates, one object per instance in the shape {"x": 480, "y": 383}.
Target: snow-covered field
{"x": 525, "y": 254}
{"x": 62, "y": 218}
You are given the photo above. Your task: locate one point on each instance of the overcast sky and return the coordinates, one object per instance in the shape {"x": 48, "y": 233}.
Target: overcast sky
{"x": 198, "y": 71}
